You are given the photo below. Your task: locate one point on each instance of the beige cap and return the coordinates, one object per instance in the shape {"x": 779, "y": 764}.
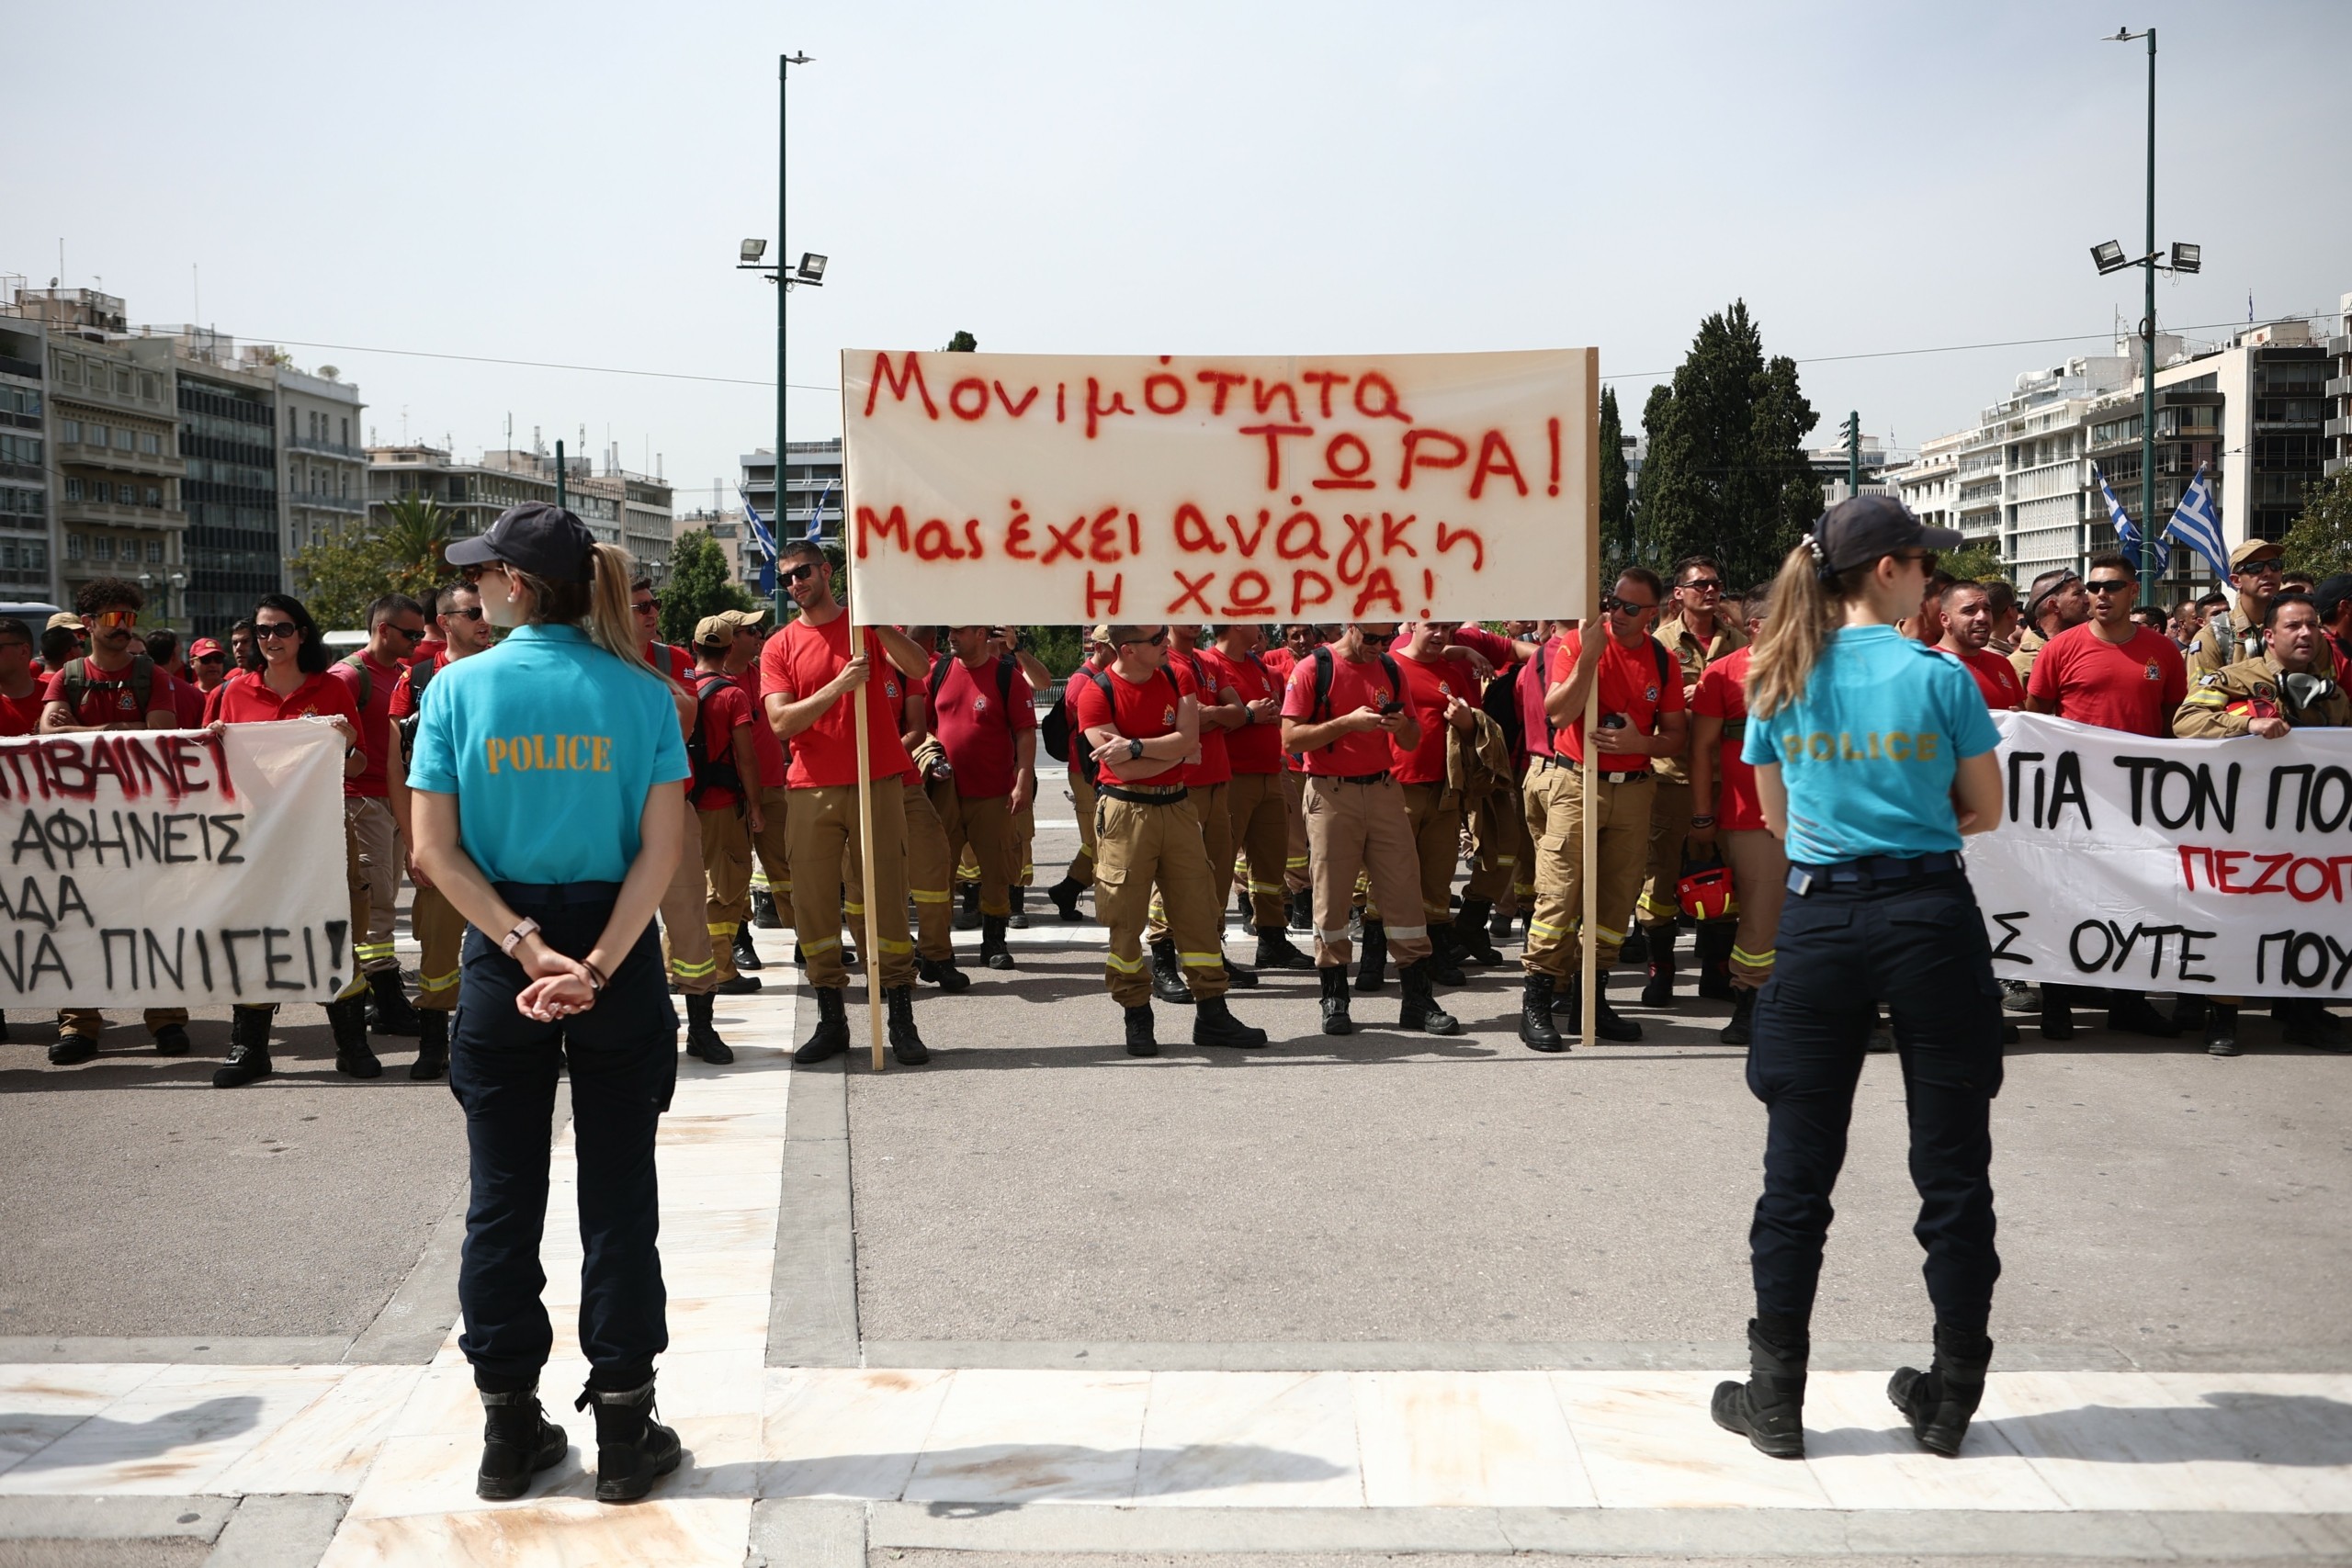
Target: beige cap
{"x": 67, "y": 619}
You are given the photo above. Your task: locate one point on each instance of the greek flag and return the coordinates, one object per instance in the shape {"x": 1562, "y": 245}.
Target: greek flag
{"x": 2126, "y": 535}
{"x": 2194, "y": 524}
{"x": 756, "y": 535}
{"x": 817, "y": 517}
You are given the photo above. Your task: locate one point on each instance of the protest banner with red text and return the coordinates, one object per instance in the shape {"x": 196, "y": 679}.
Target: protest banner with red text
{"x": 174, "y": 868}
{"x": 2221, "y": 866}
{"x": 1055, "y": 490}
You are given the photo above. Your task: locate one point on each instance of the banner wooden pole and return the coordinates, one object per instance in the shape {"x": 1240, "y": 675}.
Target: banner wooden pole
{"x": 873, "y": 943}
{"x": 1591, "y": 850}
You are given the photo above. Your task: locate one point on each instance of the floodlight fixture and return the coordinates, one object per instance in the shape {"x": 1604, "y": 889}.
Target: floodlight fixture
{"x": 753, "y": 250}
{"x": 2109, "y": 257}
{"x": 811, "y": 268}
{"x": 2186, "y": 257}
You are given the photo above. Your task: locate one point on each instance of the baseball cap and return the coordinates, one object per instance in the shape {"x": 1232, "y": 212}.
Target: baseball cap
{"x": 1857, "y": 531}
{"x": 715, "y": 631}
{"x": 2329, "y": 595}
{"x": 1098, "y": 634}
{"x": 2254, "y": 550}
{"x": 205, "y": 648}
{"x": 544, "y": 540}
{"x": 743, "y": 618}
{"x": 66, "y": 618}
{"x": 2048, "y": 584}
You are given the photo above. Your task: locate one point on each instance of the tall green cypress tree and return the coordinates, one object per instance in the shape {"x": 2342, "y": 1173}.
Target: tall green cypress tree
{"x": 1616, "y": 503}
{"x": 1726, "y": 474}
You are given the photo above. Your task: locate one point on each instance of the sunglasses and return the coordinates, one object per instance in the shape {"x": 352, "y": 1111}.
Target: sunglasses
{"x": 272, "y": 630}
{"x": 2262, "y": 568}
{"x": 213, "y": 658}
{"x": 473, "y": 614}
{"x": 1703, "y": 585}
{"x": 1155, "y": 640}
{"x": 1626, "y": 606}
{"x": 110, "y": 619}
{"x": 2112, "y": 586}
{"x": 794, "y": 574}
{"x": 413, "y": 633}
{"x": 1927, "y": 558}
{"x": 473, "y": 573}
{"x": 646, "y": 606}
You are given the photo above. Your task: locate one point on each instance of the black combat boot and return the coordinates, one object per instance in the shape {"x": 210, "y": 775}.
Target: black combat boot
{"x": 517, "y": 1442}
{"x": 72, "y": 1048}
{"x": 1659, "y": 991}
{"x": 248, "y": 1048}
{"x": 1713, "y": 942}
{"x": 1537, "y": 1031}
{"x": 1140, "y": 1040}
{"x": 765, "y": 913}
{"x": 2306, "y": 1021}
{"x": 1445, "y": 956}
{"x": 967, "y": 911}
{"x": 348, "y": 1020}
{"x": 1335, "y": 1002}
{"x": 1018, "y": 918}
{"x": 172, "y": 1040}
{"x": 431, "y": 1045}
{"x": 1471, "y": 940}
{"x": 1607, "y": 1021}
{"x": 993, "y": 950}
{"x": 3, "y": 1029}
{"x": 2057, "y": 1012}
{"x": 2130, "y": 1012}
{"x": 832, "y": 1036}
{"x": 1742, "y": 1027}
{"x": 1420, "y": 1010}
{"x": 1064, "y": 895}
{"x": 1168, "y": 975}
{"x": 633, "y": 1449}
{"x": 898, "y": 1003}
{"x": 1302, "y": 909}
{"x": 746, "y": 956}
{"x": 390, "y": 1012}
{"x": 1769, "y": 1408}
{"x": 1372, "y": 956}
{"x": 1938, "y": 1402}
{"x": 1500, "y": 926}
{"x": 702, "y": 1035}
{"x": 2221, "y": 1028}
{"x": 1637, "y": 944}
{"x": 1214, "y": 1024}
{"x": 1275, "y": 952}
{"x": 943, "y": 973}
{"x": 1235, "y": 976}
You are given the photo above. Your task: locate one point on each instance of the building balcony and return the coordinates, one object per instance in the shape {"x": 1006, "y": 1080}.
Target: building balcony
{"x": 2340, "y": 387}
{"x": 2336, "y": 426}
{"x": 345, "y": 503}
{"x": 12, "y": 366}
{"x": 332, "y": 449}
{"x": 108, "y": 514}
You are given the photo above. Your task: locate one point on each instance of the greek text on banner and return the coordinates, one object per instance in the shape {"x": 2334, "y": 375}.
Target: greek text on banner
{"x": 1053, "y": 490}
{"x": 2170, "y": 865}
{"x": 174, "y": 868}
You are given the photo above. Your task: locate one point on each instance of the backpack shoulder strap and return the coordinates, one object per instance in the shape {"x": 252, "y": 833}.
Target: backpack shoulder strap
{"x": 77, "y": 684}
{"x": 938, "y": 676}
{"x": 1322, "y": 657}
{"x": 1395, "y": 677}
{"x": 142, "y": 681}
{"x": 1667, "y": 670}
{"x": 367, "y": 685}
{"x": 1005, "y": 665}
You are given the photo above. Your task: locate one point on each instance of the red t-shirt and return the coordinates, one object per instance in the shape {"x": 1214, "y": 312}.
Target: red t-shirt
{"x": 1195, "y": 681}
{"x": 1428, "y": 683}
{"x": 244, "y": 699}
{"x": 1499, "y": 651}
{"x": 1142, "y": 713}
{"x": 1354, "y": 685}
{"x": 773, "y": 761}
{"x": 374, "y": 722}
{"x": 21, "y": 715}
{"x": 678, "y": 662}
{"x": 1535, "y": 732}
{"x": 188, "y": 701}
{"x": 1995, "y": 677}
{"x": 1253, "y": 748}
{"x": 111, "y": 700}
{"x": 1280, "y": 663}
{"x": 1722, "y": 694}
{"x": 978, "y": 728}
{"x": 2133, "y": 686}
{"x": 1630, "y": 684}
{"x": 405, "y": 692}
{"x": 728, "y": 706}
{"x": 800, "y": 660}
{"x": 1077, "y": 677}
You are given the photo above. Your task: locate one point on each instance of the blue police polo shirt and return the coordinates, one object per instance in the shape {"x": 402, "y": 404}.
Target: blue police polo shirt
{"x": 1868, "y": 752}
{"x": 551, "y": 744}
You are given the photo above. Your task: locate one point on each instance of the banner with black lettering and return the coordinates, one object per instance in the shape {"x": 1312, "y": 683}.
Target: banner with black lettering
{"x": 2218, "y": 866}
{"x": 174, "y": 868}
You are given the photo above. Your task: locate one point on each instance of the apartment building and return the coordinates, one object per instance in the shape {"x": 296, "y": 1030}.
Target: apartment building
{"x": 619, "y": 507}
{"x": 322, "y": 468}
{"x": 27, "y": 540}
{"x": 812, "y": 487}
{"x": 227, "y": 407}
{"x": 2337, "y": 433}
{"x": 1930, "y": 483}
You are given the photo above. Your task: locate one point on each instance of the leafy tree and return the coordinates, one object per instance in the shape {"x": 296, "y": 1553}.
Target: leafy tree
{"x": 698, "y": 585}
{"x": 1616, "y": 503}
{"x": 338, "y": 578}
{"x": 962, "y": 343}
{"x": 1973, "y": 563}
{"x": 2320, "y": 540}
{"x": 1726, "y": 474}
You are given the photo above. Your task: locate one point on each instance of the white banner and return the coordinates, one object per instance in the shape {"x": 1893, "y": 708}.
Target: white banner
{"x": 2218, "y": 866}
{"x": 171, "y": 868}
{"x": 1054, "y": 490}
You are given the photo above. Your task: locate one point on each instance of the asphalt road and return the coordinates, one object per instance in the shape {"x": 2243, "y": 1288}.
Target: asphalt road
{"x": 1035, "y": 1183}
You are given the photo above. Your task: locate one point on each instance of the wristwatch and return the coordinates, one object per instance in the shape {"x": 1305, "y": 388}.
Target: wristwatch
{"x": 513, "y": 939}
{"x": 1135, "y": 751}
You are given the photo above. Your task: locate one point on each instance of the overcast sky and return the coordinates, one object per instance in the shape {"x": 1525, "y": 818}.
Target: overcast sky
{"x": 570, "y": 184}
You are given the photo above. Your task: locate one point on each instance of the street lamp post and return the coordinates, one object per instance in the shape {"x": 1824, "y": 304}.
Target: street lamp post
{"x": 2185, "y": 258}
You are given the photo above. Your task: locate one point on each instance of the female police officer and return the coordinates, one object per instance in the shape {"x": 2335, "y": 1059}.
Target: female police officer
{"x": 544, "y": 778}
{"x": 1873, "y": 755}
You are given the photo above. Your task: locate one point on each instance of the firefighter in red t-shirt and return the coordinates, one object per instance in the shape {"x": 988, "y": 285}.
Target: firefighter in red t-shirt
{"x": 980, "y": 709}
{"x": 1098, "y": 655}
{"x": 727, "y": 787}
{"x": 1442, "y": 693}
{"x": 1344, "y": 708}
{"x": 1298, "y": 642}
{"x": 1725, "y": 802}
{"x": 1642, "y": 718}
{"x": 1502, "y": 878}
{"x": 685, "y": 902}
{"x": 1141, "y": 731}
{"x": 1255, "y": 801}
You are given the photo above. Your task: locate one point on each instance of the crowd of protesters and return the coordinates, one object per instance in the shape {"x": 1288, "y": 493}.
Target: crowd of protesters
{"x": 1396, "y": 798}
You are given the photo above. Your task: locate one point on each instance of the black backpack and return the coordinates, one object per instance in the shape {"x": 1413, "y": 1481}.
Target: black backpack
{"x": 78, "y": 673}
{"x": 1005, "y": 668}
{"x": 708, "y": 772}
{"x": 1323, "y": 681}
{"x": 418, "y": 674}
{"x": 1083, "y": 751}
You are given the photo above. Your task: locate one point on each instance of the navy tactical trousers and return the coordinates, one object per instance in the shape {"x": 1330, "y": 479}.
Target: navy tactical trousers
{"x": 622, "y": 1058}
{"x": 1918, "y": 945}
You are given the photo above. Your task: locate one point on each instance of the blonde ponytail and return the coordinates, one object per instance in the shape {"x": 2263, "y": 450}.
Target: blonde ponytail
{"x": 612, "y": 625}
{"x": 1805, "y": 609}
